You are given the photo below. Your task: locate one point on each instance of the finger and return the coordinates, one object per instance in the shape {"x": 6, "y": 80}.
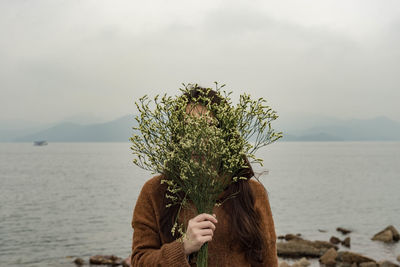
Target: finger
{"x": 205, "y": 232}
{"x": 206, "y": 238}
{"x": 205, "y": 225}
{"x": 205, "y": 216}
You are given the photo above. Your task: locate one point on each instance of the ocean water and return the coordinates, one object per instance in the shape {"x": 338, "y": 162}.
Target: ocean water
{"x": 68, "y": 200}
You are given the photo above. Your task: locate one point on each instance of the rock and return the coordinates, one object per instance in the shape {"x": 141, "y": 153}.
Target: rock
{"x": 329, "y": 257}
{"x": 303, "y": 248}
{"x": 303, "y": 262}
{"x": 296, "y": 249}
{"x": 292, "y": 236}
{"x": 79, "y": 261}
{"x": 368, "y": 264}
{"x": 284, "y": 264}
{"x": 351, "y": 257}
{"x": 343, "y": 230}
{"x": 345, "y": 264}
{"x": 387, "y": 264}
{"x": 346, "y": 242}
{"x": 389, "y": 234}
{"x": 334, "y": 240}
{"x": 330, "y": 264}
{"x": 322, "y": 230}
{"x": 322, "y": 244}
{"x": 105, "y": 260}
{"x": 127, "y": 262}
{"x": 396, "y": 235}
{"x": 385, "y": 236}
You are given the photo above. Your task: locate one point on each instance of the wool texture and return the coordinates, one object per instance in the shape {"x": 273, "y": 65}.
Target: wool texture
{"x": 149, "y": 247}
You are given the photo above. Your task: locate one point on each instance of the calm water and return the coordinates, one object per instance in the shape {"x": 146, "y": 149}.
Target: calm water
{"x": 68, "y": 200}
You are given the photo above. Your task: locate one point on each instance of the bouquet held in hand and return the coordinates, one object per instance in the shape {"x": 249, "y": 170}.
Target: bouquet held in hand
{"x": 201, "y": 142}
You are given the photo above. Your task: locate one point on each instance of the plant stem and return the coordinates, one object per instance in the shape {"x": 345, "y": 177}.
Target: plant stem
{"x": 202, "y": 256}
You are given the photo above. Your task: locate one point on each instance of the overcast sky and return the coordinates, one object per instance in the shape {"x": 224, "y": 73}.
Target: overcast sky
{"x": 336, "y": 58}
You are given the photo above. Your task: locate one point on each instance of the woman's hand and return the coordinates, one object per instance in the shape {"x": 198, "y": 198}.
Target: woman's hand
{"x": 200, "y": 230}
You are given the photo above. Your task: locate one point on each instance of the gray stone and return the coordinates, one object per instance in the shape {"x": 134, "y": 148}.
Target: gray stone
{"x": 329, "y": 257}
{"x": 79, "y": 261}
{"x": 384, "y": 236}
{"x": 289, "y": 237}
{"x": 303, "y": 262}
{"x": 351, "y": 257}
{"x": 334, "y": 240}
{"x": 127, "y": 262}
{"x": 105, "y": 260}
{"x": 284, "y": 264}
{"x": 297, "y": 248}
{"x": 368, "y": 264}
{"x": 343, "y": 230}
{"x": 346, "y": 242}
{"x": 389, "y": 234}
{"x": 387, "y": 264}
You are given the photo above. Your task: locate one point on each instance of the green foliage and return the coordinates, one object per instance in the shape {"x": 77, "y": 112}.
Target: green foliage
{"x": 200, "y": 154}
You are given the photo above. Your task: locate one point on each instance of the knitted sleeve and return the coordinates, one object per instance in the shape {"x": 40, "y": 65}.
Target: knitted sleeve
{"x": 147, "y": 249}
{"x": 264, "y": 208}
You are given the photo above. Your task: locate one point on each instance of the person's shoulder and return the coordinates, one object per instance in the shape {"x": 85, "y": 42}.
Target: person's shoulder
{"x": 151, "y": 192}
{"x": 147, "y": 202}
{"x": 153, "y": 184}
{"x": 257, "y": 186}
{"x": 259, "y": 190}
{"x": 156, "y": 179}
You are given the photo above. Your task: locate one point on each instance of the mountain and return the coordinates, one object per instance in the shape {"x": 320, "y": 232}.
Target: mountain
{"x": 296, "y": 123}
{"x": 11, "y": 130}
{"x": 376, "y": 129}
{"x": 118, "y": 130}
{"x": 311, "y": 137}
{"x": 295, "y": 128}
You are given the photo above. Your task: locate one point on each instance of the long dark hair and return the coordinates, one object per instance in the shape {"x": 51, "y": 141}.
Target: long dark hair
{"x": 245, "y": 224}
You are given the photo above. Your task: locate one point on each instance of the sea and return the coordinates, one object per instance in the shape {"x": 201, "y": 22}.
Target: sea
{"x": 67, "y": 200}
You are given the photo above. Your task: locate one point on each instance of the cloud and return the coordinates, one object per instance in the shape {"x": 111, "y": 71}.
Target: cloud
{"x": 97, "y": 57}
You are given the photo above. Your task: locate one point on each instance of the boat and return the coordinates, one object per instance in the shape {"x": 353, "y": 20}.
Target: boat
{"x": 40, "y": 143}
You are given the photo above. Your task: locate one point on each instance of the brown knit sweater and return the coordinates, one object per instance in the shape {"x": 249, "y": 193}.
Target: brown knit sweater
{"x": 149, "y": 248}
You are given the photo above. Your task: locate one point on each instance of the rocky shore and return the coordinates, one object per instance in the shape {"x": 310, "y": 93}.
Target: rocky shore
{"x": 328, "y": 252}
{"x": 293, "y": 246}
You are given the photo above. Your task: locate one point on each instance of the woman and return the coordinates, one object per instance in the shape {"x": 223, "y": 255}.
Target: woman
{"x": 240, "y": 232}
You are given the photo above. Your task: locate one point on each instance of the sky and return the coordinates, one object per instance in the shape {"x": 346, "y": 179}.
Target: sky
{"x": 337, "y": 58}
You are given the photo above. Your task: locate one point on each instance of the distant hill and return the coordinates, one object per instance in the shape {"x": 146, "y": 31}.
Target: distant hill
{"x": 311, "y": 137}
{"x": 11, "y": 130}
{"x": 304, "y": 128}
{"x": 118, "y": 130}
{"x": 376, "y": 129}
